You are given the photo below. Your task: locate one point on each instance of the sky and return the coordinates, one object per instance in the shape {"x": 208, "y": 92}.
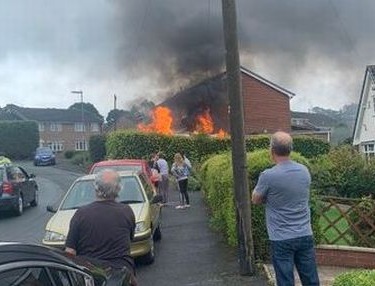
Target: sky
{"x": 146, "y": 49}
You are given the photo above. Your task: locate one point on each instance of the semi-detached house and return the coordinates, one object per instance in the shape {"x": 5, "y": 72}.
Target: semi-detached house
{"x": 61, "y": 129}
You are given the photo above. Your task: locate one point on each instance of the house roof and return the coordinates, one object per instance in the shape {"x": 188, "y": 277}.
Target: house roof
{"x": 51, "y": 114}
{"x": 369, "y": 76}
{"x": 318, "y": 120}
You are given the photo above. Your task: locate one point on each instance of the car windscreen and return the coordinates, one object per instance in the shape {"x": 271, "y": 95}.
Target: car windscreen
{"x": 46, "y": 151}
{"x": 83, "y": 193}
{"x": 118, "y": 168}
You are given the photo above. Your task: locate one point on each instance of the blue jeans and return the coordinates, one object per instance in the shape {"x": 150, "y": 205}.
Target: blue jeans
{"x": 299, "y": 252}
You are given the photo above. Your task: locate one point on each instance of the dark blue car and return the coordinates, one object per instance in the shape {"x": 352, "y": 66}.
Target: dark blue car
{"x": 44, "y": 156}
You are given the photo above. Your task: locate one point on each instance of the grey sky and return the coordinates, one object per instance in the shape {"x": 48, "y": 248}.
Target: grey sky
{"x": 146, "y": 48}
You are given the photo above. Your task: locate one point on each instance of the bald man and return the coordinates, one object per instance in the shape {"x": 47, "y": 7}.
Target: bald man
{"x": 284, "y": 189}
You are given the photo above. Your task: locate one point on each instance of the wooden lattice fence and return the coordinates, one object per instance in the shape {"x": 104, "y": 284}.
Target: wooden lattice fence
{"x": 347, "y": 221}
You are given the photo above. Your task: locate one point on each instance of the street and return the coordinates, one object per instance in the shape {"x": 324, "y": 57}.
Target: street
{"x": 188, "y": 254}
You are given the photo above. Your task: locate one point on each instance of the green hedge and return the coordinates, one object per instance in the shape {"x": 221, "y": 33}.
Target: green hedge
{"x": 356, "y": 278}
{"x": 217, "y": 185}
{"x": 130, "y": 144}
{"x": 19, "y": 139}
{"x": 344, "y": 172}
{"x": 97, "y": 148}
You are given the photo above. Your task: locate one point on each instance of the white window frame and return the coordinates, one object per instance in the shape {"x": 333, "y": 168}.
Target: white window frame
{"x": 369, "y": 150}
{"x": 95, "y": 127}
{"x": 81, "y": 145}
{"x": 41, "y": 126}
{"x": 79, "y": 127}
{"x": 55, "y": 127}
{"x": 56, "y": 146}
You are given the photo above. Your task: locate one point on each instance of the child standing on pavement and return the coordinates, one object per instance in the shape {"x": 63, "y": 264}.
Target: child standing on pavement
{"x": 180, "y": 171}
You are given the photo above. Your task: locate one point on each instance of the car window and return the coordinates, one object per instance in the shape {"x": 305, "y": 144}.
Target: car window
{"x": 78, "y": 279}
{"x": 119, "y": 168}
{"x": 148, "y": 188}
{"x": 34, "y": 276}
{"x": 15, "y": 174}
{"x": 60, "y": 277}
{"x": 46, "y": 151}
{"x": 83, "y": 193}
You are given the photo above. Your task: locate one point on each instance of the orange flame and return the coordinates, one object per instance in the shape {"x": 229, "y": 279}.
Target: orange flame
{"x": 162, "y": 121}
{"x": 205, "y": 123}
{"x": 221, "y": 134}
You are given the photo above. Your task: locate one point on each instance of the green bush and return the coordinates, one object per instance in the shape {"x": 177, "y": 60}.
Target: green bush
{"x": 69, "y": 154}
{"x": 135, "y": 145}
{"x": 194, "y": 185}
{"x": 19, "y": 139}
{"x": 363, "y": 217}
{"x": 343, "y": 172}
{"x": 81, "y": 158}
{"x": 97, "y": 148}
{"x": 217, "y": 185}
{"x": 356, "y": 278}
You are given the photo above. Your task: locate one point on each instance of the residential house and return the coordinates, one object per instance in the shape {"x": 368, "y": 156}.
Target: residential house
{"x": 266, "y": 104}
{"x": 312, "y": 124}
{"x": 61, "y": 129}
{"x": 364, "y": 128}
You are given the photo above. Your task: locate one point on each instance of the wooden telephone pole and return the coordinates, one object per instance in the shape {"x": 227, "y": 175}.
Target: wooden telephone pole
{"x": 241, "y": 185}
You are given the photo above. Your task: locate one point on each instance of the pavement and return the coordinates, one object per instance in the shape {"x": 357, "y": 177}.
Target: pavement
{"x": 191, "y": 253}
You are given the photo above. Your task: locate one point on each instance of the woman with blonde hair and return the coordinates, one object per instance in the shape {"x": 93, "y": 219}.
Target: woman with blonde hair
{"x": 181, "y": 172}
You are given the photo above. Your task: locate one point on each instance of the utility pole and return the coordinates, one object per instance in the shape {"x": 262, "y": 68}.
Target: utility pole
{"x": 241, "y": 185}
{"x": 115, "y": 107}
{"x": 80, "y": 92}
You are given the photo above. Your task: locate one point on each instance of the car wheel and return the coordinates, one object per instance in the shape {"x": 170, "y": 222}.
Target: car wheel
{"x": 34, "y": 203}
{"x": 19, "y": 209}
{"x": 157, "y": 233}
{"x": 149, "y": 258}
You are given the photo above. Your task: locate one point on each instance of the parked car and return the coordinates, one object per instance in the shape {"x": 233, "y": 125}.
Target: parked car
{"x": 44, "y": 156}
{"x": 26, "y": 264}
{"x": 122, "y": 165}
{"x": 136, "y": 191}
{"x": 17, "y": 189}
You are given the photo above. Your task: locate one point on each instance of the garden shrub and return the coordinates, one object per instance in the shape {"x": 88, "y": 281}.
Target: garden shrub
{"x": 194, "y": 185}
{"x": 97, "y": 148}
{"x": 217, "y": 185}
{"x": 69, "y": 154}
{"x": 356, "y": 278}
{"x": 343, "y": 172}
{"x": 363, "y": 217}
{"x": 19, "y": 139}
{"x": 81, "y": 158}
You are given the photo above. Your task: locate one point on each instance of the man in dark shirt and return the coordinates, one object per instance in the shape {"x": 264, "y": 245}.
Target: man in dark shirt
{"x": 103, "y": 230}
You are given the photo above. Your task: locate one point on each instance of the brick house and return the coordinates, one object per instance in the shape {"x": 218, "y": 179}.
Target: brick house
{"x": 266, "y": 105}
{"x": 61, "y": 129}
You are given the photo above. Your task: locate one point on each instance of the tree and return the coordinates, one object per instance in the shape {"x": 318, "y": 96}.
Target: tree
{"x": 115, "y": 114}
{"x": 87, "y": 107}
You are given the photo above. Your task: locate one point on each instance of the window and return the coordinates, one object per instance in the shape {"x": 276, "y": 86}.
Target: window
{"x": 41, "y": 127}
{"x": 79, "y": 127}
{"x": 81, "y": 145}
{"x": 94, "y": 127}
{"x": 369, "y": 150}
{"x": 55, "y": 127}
{"x": 56, "y": 146}
{"x": 60, "y": 277}
{"x": 148, "y": 187}
{"x": 25, "y": 276}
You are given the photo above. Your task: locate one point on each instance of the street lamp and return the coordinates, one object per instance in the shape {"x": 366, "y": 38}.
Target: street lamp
{"x": 80, "y": 92}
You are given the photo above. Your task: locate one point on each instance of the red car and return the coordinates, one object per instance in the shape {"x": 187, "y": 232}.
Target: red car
{"x": 122, "y": 165}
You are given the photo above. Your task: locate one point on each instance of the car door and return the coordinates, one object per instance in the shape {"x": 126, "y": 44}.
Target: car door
{"x": 28, "y": 185}
{"x": 150, "y": 193}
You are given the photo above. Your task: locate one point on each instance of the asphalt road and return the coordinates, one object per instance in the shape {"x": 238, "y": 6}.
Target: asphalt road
{"x": 53, "y": 183}
{"x": 190, "y": 253}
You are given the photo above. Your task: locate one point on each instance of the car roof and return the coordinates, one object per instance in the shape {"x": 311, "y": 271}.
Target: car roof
{"x": 121, "y": 162}
{"x": 15, "y": 252}
{"x": 121, "y": 174}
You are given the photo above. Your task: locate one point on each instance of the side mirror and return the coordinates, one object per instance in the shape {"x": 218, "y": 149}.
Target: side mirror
{"x": 157, "y": 199}
{"x": 31, "y": 176}
{"x": 51, "y": 209}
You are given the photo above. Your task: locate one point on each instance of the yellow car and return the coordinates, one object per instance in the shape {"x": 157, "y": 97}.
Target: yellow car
{"x": 137, "y": 191}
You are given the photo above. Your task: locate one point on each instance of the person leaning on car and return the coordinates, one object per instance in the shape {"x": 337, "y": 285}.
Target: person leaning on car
{"x": 103, "y": 230}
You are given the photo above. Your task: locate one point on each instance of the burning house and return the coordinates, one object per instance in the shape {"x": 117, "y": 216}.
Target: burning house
{"x": 204, "y": 108}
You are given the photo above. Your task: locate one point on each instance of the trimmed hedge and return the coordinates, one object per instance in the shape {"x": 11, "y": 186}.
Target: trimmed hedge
{"x": 217, "y": 185}
{"x": 97, "y": 148}
{"x": 19, "y": 139}
{"x": 356, "y": 278}
{"x": 135, "y": 145}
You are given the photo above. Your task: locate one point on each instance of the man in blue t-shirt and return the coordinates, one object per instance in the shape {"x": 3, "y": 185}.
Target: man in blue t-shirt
{"x": 284, "y": 189}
